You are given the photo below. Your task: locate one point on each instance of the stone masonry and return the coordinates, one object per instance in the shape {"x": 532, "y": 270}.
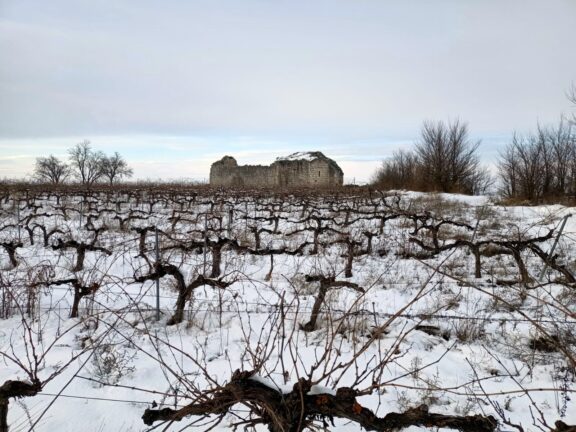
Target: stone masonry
{"x": 302, "y": 169}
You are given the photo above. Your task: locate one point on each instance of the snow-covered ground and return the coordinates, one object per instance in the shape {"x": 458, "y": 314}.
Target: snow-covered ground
{"x": 424, "y": 330}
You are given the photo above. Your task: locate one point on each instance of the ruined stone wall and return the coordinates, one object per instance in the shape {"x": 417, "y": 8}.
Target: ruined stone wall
{"x": 254, "y": 176}
{"x": 226, "y": 172}
{"x": 222, "y": 172}
{"x": 320, "y": 172}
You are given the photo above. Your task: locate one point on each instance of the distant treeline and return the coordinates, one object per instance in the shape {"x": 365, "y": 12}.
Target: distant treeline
{"x": 85, "y": 165}
{"x": 537, "y": 167}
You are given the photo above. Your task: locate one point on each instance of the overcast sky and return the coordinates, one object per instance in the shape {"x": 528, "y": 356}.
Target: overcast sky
{"x": 174, "y": 85}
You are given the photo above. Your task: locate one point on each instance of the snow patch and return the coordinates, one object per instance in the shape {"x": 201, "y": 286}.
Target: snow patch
{"x": 307, "y": 156}
{"x": 318, "y": 389}
{"x": 285, "y": 389}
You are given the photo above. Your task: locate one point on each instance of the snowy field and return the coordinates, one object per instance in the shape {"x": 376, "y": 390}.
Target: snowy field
{"x": 377, "y": 304}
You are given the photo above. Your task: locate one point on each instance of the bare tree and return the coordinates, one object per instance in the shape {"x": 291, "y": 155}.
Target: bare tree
{"x": 562, "y": 143}
{"x": 115, "y": 167}
{"x": 521, "y": 168}
{"x": 539, "y": 165}
{"x": 51, "y": 169}
{"x": 447, "y": 157}
{"x": 444, "y": 160}
{"x": 86, "y": 163}
{"x": 398, "y": 172}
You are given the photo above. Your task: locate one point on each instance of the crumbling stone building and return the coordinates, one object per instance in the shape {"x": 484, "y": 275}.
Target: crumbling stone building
{"x": 302, "y": 169}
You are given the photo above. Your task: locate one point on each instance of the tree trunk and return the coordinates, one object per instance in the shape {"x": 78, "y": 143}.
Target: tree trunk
{"x": 314, "y": 250}
{"x": 178, "y": 316}
{"x": 30, "y": 234}
{"x": 369, "y": 236}
{"x": 477, "y": 263}
{"x": 524, "y": 276}
{"x": 12, "y": 255}
{"x": 298, "y": 410}
{"x": 75, "y": 303}
{"x": 349, "y": 260}
{"x": 311, "y": 325}
{"x": 216, "y": 260}
{"x": 269, "y": 275}
{"x": 256, "y": 239}
{"x": 10, "y": 249}
{"x": 142, "y": 243}
{"x": 4, "y": 415}
{"x": 80, "y": 259}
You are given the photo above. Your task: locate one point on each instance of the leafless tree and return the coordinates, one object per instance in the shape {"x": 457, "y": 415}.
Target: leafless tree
{"x": 51, "y": 169}
{"x": 115, "y": 167}
{"x": 447, "y": 157}
{"x": 86, "y": 163}
{"x": 562, "y": 143}
{"x": 520, "y": 168}
{"x": 482, "y": 181}
{"x": 398, "y": 172}
{"x": 540, "y": 165}
{"x": 444, "y": 160}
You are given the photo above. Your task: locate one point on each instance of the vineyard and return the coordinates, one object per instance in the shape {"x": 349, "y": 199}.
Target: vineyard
{"x": 176, "y": 308}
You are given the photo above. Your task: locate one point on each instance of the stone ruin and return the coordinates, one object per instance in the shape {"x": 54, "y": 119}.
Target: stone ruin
{"x": 302, "y": 169}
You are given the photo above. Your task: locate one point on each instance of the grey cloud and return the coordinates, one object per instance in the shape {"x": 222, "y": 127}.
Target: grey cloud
{"x": 352, "y": 78}
{"x": 338, "y": 67}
